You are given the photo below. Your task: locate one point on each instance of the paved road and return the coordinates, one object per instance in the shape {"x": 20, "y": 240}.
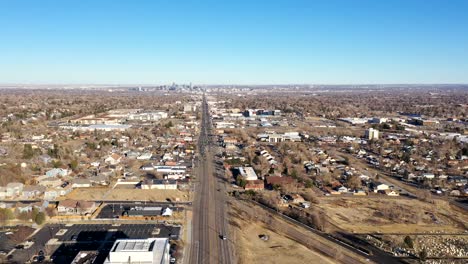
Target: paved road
{"x": 209, "y": 214}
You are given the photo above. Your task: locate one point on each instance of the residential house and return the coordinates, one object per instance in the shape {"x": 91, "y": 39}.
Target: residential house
{"x": 23, "y": 208}
{"x": 297, "y": 198}
{"x": 56, "y": 172}
{"x": 14, "y": 189}
{"x": 147, "y": 167}
{"x": 45, "y": 158}
{"x": 50, "y": 182}
{"x": 145, "y": 156}
{"x": 360, "y": 192}
{"x": 113, "y": 159}
{"x": 81, "y": 183}
{"x": 54, "y": 192}
{"x": 255, "y": 185}
{"x": 392, "y": 193}
{"x": 175, "y": 176}
{"x": 381, "y": 187}
{"x": 329, "y": 190}
{"x": 278, "y": 181}
{"x": 73, "y": 207}
{"x": 51, "y": 194}
{"x": 342, "y": 189}
{"x": 32, "y": 191}
{"x": 3, "y": 192}
{"x": 100, "y": 179}
{"x": 428, "y": 176}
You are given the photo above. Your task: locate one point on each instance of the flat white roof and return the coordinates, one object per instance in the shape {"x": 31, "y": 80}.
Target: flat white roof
{"x": 248, "y": 173}
{"x": 150, "y": 250}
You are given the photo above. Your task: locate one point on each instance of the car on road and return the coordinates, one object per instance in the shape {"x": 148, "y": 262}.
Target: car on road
{"x": 38, "y": 259}
{"x": 173, "y": 260}
{"x": 223, "y": 237}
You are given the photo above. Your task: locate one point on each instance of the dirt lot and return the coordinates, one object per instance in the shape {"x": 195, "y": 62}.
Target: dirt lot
{"x": 278, "y": 249}
{"x": 363, "y": 215}
{"x": 126, "y": 194}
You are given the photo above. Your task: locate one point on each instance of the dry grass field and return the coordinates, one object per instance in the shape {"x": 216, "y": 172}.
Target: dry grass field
{"x": 91, "y": 194}
{"x": 362, "y": 215}
{"x": 278, "y": 249}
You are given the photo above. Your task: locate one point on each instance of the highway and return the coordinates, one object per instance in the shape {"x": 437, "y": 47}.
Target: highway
{"x": 209, "y": 223}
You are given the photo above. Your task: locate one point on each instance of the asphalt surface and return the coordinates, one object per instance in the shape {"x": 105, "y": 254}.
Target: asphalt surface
{"x": 78, "y": 237}
{"x": 209, "y": 212}
{"x": 115, "y": 210}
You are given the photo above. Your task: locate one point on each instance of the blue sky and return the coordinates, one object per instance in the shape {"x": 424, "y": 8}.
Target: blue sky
{"x": 234, "y": 42}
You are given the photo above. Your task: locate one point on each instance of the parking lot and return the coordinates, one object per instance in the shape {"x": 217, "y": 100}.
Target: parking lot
{"x": 99, "y": 232}
{"x": 70, "y": 239}
{"x": 115, "y": 210}
{"x": 5, "y": 243}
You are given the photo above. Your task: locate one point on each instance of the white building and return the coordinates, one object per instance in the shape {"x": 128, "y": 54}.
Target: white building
{"x": 150, "y": 251}
{"x": 160, "y": 185}
{"x": 14, "y": 189}
{"x": 190, "y": 108}
{"x": 148, "y": 116}
{"x": 275, "y": 138}
{"x": 145, "y": 156}
{"x": 248, "y": 173}
{"x": 372, "y": 134}
{"x": 171, "y": 169}
{"x": 382, "y": 187}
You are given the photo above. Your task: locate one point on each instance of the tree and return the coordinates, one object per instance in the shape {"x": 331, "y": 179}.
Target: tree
{"x": 54, "y": 152}
{"x": 168, "y": 124}
{"x": 6, "y": 214}
{"x": 241, "y": 182}
{"x": 309, "y": 183}
{"x": 51, "y": 211}
{"x": 255, "y": 160}
{"x": 294, "y": 174}
{"x": 409, "y": 242}
{"x": 40, "y": 218}
{"x": 423, "y": 255}
{"x": 28, "y": 151}
{"x": 73, "y": 164}
{"x": 354, "y": 182}
{"x": 56, "y": 163}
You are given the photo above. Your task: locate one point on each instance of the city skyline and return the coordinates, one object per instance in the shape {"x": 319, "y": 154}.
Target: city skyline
{"x": 363, "y": 42}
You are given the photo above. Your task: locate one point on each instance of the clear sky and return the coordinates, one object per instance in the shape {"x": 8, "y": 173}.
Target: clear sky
{"x": 234, "y": 41}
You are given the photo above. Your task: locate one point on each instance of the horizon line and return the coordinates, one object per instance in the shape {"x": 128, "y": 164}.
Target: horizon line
{"x": 225, "y": 84}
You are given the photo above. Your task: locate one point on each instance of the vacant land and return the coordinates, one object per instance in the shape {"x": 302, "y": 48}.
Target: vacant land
{"x": 91, "y": 194}
{"x": 363, "y": 215}
{"x": 277, "y": 249}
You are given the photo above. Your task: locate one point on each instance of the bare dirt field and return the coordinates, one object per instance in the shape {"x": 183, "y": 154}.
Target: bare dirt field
{"x": 91, "y": 194}
{"x": 363, "y": 215}
{"x": 278, "y": 249}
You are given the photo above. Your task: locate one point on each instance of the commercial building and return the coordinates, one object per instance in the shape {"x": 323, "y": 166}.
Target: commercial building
{"x": 248, "y": 173}
{"x": 142, "y": 251}
{"x": 372, "y": 134}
